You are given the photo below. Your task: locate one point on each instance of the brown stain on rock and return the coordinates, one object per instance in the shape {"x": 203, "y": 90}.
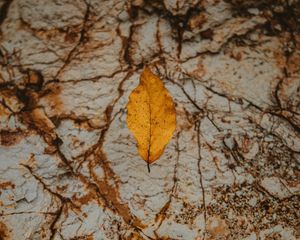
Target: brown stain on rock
{"x": 31, "y": 161}
{"x": 135, "y": 236}
{"x": 245, "y": 144}
{"x": 280, "y": 59}
{"x": 4, "y": 232}
{"x": 110, "y": 192}
{"x": 28, "y": 97}
{"x": 217, "y": 228}
{"x": 34, "y": 80}
{"x": 32, "y": 114}
{"x": 84, "y": 200}
{"x": 52, "y": 96}
{"x": 7, "y": 185}
{"x": 159, "y": 217}
{"x": 236, "y": 55}
{"x": 37, "y": 120}
{"x": 184, "y": 119}
{"x": 59, "y": 35}
{"x": 10, "y": 101}
{"x": 199, "y": 71}
{"x": 10, "y": 138}
{"x": 207, "y": 34}
{"x": 4, "y": 112}
{"x": 105, "y": 188}
{"x": 294, "y": 63}
{"x": 71, "y": 37}
{"x": 285, "y": 93}
{"x": 41, "y": 120}
{"x": 197, "y": 21}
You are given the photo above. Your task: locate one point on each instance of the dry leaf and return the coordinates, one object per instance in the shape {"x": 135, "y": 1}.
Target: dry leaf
{"x": 151, "y": 116}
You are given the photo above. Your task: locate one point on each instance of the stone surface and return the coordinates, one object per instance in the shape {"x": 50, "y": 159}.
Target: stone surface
{"x": 69, "y": 167}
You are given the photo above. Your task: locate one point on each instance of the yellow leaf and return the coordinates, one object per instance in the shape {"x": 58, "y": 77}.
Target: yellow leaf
{"x": 151, "y": 116}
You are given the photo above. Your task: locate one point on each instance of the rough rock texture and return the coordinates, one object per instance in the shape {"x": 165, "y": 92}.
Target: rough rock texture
{"x": 69, "y": 167}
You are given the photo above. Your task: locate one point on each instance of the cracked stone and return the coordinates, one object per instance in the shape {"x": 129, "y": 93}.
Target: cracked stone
{"x": 70, "y": 168}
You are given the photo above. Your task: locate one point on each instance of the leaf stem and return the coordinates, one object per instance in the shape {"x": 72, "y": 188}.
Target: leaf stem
{"x": 148, "y": 165}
